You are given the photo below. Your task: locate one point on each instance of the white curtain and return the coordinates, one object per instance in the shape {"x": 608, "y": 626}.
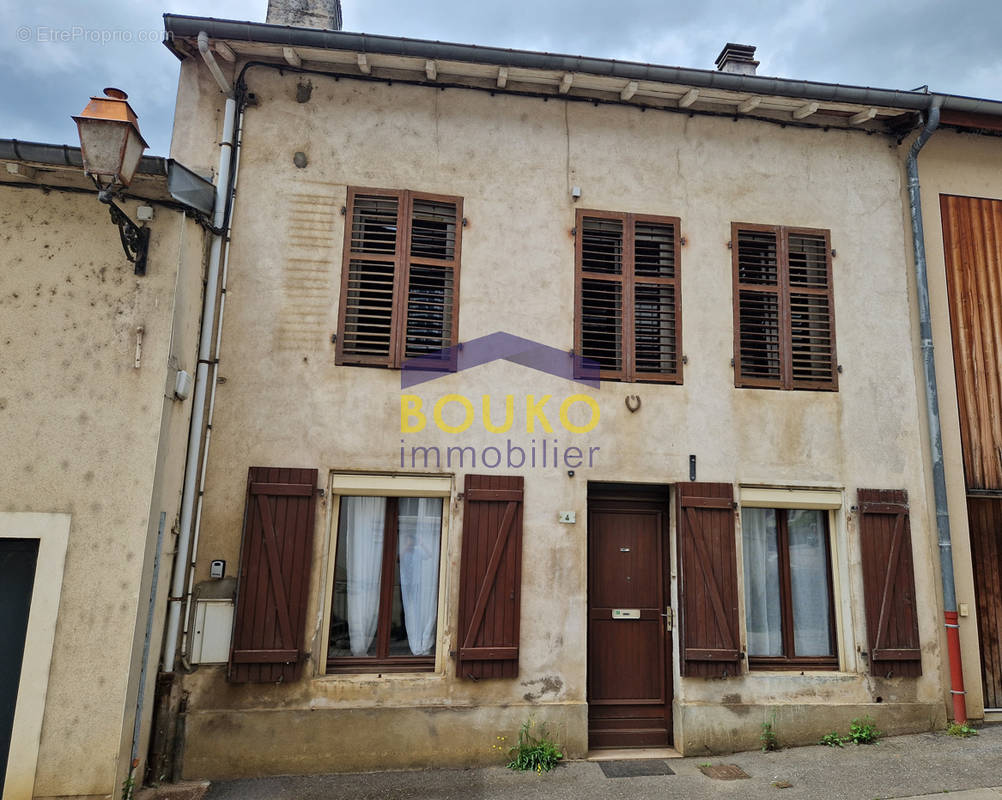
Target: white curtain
{"x": 761, "y": 561}
{"x": 363, "y": 521}
{"x": 420, "y": 533}
{"x": 809, "y": 583}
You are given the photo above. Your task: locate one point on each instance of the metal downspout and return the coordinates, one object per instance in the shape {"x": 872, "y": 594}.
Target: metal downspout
{"x": 181, "y": 554}
{"x": 932, "y": 413}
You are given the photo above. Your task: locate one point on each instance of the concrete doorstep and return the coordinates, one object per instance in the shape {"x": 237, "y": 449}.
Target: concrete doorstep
{"x": 919, "y": 766}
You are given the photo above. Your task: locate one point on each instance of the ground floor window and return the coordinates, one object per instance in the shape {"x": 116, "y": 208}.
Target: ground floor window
{"x": 789, "y": 610}
{"x": 384, "y": 603}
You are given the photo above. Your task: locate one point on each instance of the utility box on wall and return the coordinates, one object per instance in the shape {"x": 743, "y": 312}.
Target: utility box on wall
{"x": 210, "y": 637}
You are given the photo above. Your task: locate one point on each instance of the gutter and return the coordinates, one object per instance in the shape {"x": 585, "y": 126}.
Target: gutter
{"x": 932, "y": 414}
{"x": 180, "y": 27}
{"x": 63, "y": 155}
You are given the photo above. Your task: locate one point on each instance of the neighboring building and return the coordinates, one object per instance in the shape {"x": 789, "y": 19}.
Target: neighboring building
{"x": 93, "y": 438}
{"x": 701, "y": 236}
{"x": 962, "y": 197}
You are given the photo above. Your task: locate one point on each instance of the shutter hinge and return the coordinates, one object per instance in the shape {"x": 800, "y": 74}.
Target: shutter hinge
{"x": 683, "y": 241}
{"x": 344, "y": 211}
{"x": 459, "y": 497}
{"x": 833, "y": 253}
{"x": 464, "y": 222}
{"x": 730, "y": 245}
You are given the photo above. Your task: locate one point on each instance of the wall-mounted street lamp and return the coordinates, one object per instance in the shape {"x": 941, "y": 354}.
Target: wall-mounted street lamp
{"x": 111, "y": 146}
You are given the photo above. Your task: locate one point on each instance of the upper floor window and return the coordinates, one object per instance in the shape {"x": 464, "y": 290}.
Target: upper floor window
{"x": 627, "y": 295}
{"x": 784, "y": 321}
{"x": 400, "y": 276}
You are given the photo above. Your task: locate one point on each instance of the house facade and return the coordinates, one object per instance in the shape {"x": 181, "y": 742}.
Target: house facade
{"x": 94, "y": 436}
{"x": 565, "y": 389}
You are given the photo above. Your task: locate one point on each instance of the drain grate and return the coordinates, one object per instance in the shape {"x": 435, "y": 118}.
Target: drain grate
{"x": 724, "y": 772}
{"x": 635, "y": 768}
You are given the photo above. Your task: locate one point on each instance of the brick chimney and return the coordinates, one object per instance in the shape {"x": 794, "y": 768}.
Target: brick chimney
{"x": 324, "y": 14}
{"x": 739, "y": 58}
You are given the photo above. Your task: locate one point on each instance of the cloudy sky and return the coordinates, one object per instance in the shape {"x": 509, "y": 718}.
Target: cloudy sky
{"x": 55, "y": 53}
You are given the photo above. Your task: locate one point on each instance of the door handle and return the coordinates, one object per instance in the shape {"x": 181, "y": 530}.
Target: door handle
{"x": 668, "y": 618}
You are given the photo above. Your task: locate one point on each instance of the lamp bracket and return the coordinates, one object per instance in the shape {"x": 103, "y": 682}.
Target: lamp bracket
{"x": 135, "y": 239}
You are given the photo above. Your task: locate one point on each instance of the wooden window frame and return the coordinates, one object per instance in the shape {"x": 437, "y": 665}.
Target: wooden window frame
{"x": 782, "y": 291}
{"x": 402, "y": 261}
{"x": 383, "y": 661}
{"x": 628, "y": 281}
{"x": 795, "y": 662}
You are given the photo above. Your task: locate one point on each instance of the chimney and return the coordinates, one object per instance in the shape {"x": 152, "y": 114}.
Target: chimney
{"x": 739, "y": 58}
{"x": 324, "y": 14}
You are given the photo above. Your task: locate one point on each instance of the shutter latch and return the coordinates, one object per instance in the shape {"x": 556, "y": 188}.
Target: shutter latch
{"x": 668, "y": 618}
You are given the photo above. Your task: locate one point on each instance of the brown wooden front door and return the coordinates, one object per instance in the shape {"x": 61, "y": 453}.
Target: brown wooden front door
{"x": 629, "y": 648}
{"x": 972, "y": 240}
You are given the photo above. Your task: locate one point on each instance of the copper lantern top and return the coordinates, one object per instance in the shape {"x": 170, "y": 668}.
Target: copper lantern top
{"x": 110, "y": 141}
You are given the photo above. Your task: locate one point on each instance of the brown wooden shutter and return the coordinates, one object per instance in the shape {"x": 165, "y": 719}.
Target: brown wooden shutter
{"x": 628, "y": 314}
{"x": 708, "y": 580}
{"x": 400, "y": 277}
{"x": 784, "y": 322}
{"x": 372, "y": 264}
{"x": 758, "y": 306}
{"x": 889, "y": 583}
{"x": 275, "y": 556}
{"x": 490, "y": 577}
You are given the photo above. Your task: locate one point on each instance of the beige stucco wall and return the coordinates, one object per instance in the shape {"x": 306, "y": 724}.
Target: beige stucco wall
{"x": 514, "y": 161}
{"x": 961, "y": 164}
{"x": 81, "y": 427}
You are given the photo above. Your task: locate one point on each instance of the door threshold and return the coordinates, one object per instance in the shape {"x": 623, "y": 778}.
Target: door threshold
{"x": 629, "y": 753}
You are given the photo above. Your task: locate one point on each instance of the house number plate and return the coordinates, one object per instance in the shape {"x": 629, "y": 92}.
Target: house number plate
{"x": 626, "y": 613}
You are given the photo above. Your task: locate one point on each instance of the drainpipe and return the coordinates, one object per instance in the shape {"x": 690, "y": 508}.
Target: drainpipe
{"x": 932, "y": 414}
{"x": 223, "y": 189}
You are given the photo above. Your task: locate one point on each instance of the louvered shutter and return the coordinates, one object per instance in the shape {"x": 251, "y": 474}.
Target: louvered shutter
{"x": 490, "y": 577}
{"x": 432, "y": 276}
{"x": 657, "y": 320}
{"x": 758, "y": 317}
{"x": 371, "y": 265}
{"x": 889, "y": 583}
{"x": 628, "y": 316}
{"x": 400, "y": 282}
{"x": 784, "y": 324}
{"x": 275, "y": 557}
{"x": 601, "y": 244}
{"x": 708, "y": 580}
{"x": 812, "y": 322}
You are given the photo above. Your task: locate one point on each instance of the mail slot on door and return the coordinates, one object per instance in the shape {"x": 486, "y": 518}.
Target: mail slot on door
{"x": 626, "y": 613}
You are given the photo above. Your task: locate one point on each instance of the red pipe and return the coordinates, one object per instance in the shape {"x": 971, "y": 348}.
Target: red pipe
{"x": 956, "y": 668}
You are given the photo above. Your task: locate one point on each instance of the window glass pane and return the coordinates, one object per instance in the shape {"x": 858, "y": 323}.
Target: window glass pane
{"x": 357, "y": 567}
{"x": 762, "y": 600}
{"x": 415, "y": 590}
{"x": 809, "y": 583}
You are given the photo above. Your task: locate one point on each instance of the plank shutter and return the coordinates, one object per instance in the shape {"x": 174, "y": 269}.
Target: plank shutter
{"x": 490, "y": 577}
{"x": 708, "y": 580}
{"x": 889, "y": 583}
{"x": 275, "y": 554}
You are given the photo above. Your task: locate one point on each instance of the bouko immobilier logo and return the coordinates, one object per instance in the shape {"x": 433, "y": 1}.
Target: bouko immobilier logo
{"x": 526, "y": 434}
